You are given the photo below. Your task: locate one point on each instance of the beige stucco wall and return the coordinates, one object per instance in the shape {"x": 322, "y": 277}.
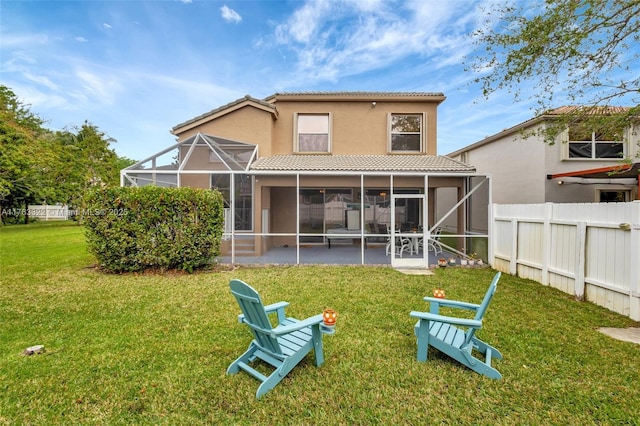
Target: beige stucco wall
{"x": 247, "y": 124}
{"x": 356, "y": 127}
{"x": 516, "y": 166}
{"x": 200, "y": 159}
{"x": 195, "y": 181}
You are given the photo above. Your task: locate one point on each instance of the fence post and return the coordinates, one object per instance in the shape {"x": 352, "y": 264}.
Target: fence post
{"x": 581, "y": 244}
{"x": 634, "y": 273}
{"x": 513, "y": 264}
{"x": 546, "y": 242}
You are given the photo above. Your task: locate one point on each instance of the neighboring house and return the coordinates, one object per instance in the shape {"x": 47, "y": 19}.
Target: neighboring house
{"x": 580, "y": 167}
{"x": 300, "y": 169}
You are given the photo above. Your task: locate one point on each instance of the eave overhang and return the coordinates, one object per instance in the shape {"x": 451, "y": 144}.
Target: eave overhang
{"x": 618, "y": 171}
{"x": 246, "y": 101}
{"x": 356, "y": 97}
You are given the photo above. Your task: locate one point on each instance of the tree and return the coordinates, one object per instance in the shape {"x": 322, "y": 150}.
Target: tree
{"x": 584, "y": 50}
{"x": 19, "y": 174}
{"x": 89, "y": 162}
{"x": 38, "y": 165}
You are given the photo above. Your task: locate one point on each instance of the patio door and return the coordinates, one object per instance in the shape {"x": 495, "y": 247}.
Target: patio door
{"x": 408, "y": 215}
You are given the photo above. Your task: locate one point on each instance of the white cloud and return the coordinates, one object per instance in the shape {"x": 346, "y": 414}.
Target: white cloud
{"x": 41, "y": 80}
{"x": 18, "y": 62}
{"x": 304, "y": 22}
{"x": 23, "y": 40}
{"x": 230, "y": 15}
{"x": 36, "y": 98}
{"x": 81, "y": 39}
{"x": 332, "y": 39}
{"x": 96, "y": 88}
{"x": 106, "y": 26}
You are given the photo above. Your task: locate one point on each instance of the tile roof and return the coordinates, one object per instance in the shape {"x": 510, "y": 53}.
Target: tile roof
{"x": 589, "y": 110}
{"x": 548, "y": 115}
{"x": 362, "y": 163}
{"x": 268, "y": 103}
{"x": 247, "y": 98}
{"x": 346, "y": 93}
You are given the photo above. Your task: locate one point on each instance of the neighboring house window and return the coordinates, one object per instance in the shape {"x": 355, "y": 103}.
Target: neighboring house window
{"x": 613, "y": 196}
{"x": 405, "y": 132}
{"x": 312, "y": 133}
{"x": 585, "y": 143}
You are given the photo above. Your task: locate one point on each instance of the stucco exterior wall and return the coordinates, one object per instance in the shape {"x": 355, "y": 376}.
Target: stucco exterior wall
{"x": 248, "y": 124}
{"x": 200, "y": 159}
{"x": 357, "y": 127}
{"x": 516, "y": 165}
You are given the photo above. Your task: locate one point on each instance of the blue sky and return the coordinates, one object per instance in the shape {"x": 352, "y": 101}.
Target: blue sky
{"x": 135, "y": 68}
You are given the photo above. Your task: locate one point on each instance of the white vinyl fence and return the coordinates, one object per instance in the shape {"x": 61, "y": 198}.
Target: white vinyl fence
{"x": 588, "y": 250}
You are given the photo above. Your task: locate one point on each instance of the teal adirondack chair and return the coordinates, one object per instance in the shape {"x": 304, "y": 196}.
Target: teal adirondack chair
{"x": 282, "y": 347}
{"x": 444, "y": 333}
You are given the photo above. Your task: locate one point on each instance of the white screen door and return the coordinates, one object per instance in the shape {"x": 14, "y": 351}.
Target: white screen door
{"x": 408, "y": 216}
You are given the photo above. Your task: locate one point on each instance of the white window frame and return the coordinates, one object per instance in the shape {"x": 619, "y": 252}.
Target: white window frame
{"x": 296, "y": 139}
{"x": 566, "y": 152}
{"x": 628, "y": 193}
{"x": 422, "y": 133}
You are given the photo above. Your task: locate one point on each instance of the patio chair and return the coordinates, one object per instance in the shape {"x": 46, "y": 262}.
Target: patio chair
{"x": 402, "y": 245}
{"x": 434, "y": 242}
{"x": 444, "y": 333}
{"x": 281, "y": 347}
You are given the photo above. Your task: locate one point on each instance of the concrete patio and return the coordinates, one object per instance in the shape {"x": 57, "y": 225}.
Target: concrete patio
{"x": 338, "y": 254}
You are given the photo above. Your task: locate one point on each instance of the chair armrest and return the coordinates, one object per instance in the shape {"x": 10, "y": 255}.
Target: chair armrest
{"x": 452, "y": 303}
{"x": 286, "y": 329}
{"x": 279, "y": 309}
{"x": 269, "y": 309}
{"x": 449, "y": 320}
{"x": 275, "y": 306}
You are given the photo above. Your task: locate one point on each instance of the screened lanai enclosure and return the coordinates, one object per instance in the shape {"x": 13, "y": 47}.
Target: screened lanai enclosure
{"x": 357, "y": 209}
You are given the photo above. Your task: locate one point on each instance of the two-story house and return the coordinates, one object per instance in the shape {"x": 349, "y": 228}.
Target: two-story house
{"x": 318, "y": 168}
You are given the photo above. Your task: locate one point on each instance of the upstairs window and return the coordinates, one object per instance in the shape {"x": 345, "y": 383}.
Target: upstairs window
{"x": 405, "y": 133}
{"x": 312, "y": 133}
{"x": 585, "y": 143}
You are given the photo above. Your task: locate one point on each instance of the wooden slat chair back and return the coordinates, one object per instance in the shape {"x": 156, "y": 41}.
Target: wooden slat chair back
{"x": 456, "y": 337}
{"x": 255, "y": 316}
{"x": 282, "y": 347}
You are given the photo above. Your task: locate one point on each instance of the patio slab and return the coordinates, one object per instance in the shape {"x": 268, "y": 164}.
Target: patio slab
{"x": 415, "y": 271}
{"x": 338, "y": 254}
{"x": 629, "y": 334}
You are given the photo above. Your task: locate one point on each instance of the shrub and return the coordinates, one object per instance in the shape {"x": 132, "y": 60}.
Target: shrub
{"x": 135, "y": 229}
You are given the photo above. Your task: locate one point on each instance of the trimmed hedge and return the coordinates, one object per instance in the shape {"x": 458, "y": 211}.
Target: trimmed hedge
{"x": 135, "y": 229}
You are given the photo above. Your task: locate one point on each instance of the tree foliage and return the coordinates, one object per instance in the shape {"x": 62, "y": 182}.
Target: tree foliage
{"x": 585, "y": 51}
{"x": 38, "y": 165}
{"x": 19, "y": 128}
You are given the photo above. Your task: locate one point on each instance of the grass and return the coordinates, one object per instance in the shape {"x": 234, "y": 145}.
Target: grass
{"x": 153, "y": 349}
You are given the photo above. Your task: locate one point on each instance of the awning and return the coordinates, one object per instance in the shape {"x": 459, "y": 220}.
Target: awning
{"x": 619, "y": 171}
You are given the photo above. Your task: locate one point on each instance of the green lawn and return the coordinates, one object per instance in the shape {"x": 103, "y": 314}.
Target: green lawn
{"x": 153, "y": 349}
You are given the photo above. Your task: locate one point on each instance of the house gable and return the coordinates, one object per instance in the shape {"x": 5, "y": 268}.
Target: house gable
{"x": 519, "y": 160}
{"x": 231, "y": 121}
